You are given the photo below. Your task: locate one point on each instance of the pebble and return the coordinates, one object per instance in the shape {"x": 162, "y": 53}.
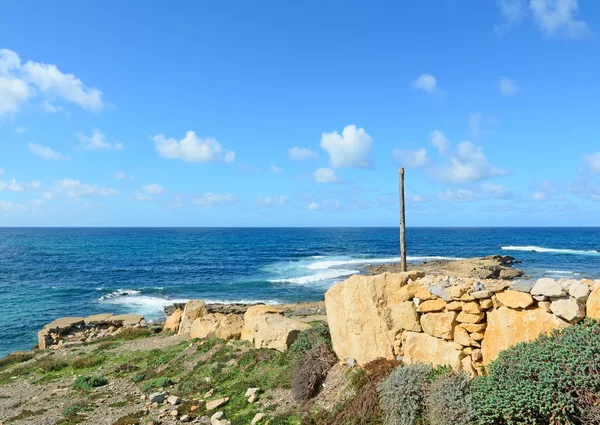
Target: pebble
{"x": 174, "y": 413}
{"x": 174, "y": 400}
{"x": 257, "y": 418}
{"x": 157, "y": 397}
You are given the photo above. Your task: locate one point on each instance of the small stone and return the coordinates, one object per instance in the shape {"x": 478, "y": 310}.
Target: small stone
{"x": 257, "y": 418}
{"x": 454, "y": 305}
{"x": 480, "y": 295}
{"x": 474, "y": 327}
{"x": 514, "y": 299}
{"x": 580, "y": 291}
{"x": 174, "y": 413}
{"x": 174, "y": 400}
{"x": 218, "y": 416}
{"x": 185, "y": 418}
{"x": 213, "y": 404}
{"x": 209, "y": 393}
{"x": 486, "y": 304}
{"x": 157, "y": 397}
{"x": 469, "y": 318}
{"x": 540, "y": 298}
{"x": 431, "y": 305}
{"x": 471, "y": 308}
{"x": 522, "y": 286}
{"x": 569, "y": 309}
{"x": 251, "y": 392}
{"x": 351, "y": 362}
{"x": 547, "y": 287}
{"x": 253, "y": 398}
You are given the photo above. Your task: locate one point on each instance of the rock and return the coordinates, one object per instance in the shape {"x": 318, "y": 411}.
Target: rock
{"x": 454, "y": 306}
{"x": 362, "y": 315}
{"x": 593, "y": 304}
{"x": 544, "y": 305}
{"x": 471, "y": 308}
{"x": 215, "y": 404}
{"x": 486, "y": 304}
{"x": 253, "y": 398}
{"x": 217, "y": 416}
{"x": 473, "y": 327}
{"x": 209, "y": 393}
{"x": 193, "y": 310}
{"x": 569, "y": 309}
{"x": 350, "y": 362}
{"x": 157, "y": 397}
{"x": 522, "y": 286}
{"x": 259, "y": 310}
{"x": 439, "y": 289}
{"x": 496, "y": 287}
{"x": 423, "y": 348}
{"x": 174, "y": 400}
{"x": 540, "y": 298}
{"x": 507, "y": 327}
{"x": 440, "y": 325}
{"x": 184, "y": 418}
{"x": 257, "y": 418}
{"x": 230, "y": 327}
{"x": 461, "y": 336}
{"x": 548, "y": 288}
{"x": 469, "y": 318}
{"x": 479, "y": 295}
{"x": 172, "y": 323}
{"x": 174, "y": 413}
{"x": 514, "y": 299}
{"x": 127, "y": 319}
{"x": 251, "y": 392}
{"x": 579, "y": 290}
{"x": 404, "y": 315}
{"x": 271, "y": 330}
{"x": 431, "y": 305}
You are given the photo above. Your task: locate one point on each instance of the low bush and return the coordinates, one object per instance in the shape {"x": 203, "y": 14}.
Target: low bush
{"x": 317, "y": 334}
{"x": 86, "y": 383}
{"x": 311, "y": 371}
{"x": 157, "y": 383}
{"x": 86, "y": 361}
{"x": 448, "y": 400}
{"x": 363, "y": 408}
{"x": 52, "y": 363}
{"x": 541, "y": 382}
{"x": 402, "y": 395}
{"x": 192, "y": 384}
{"x": 16, "y": 357}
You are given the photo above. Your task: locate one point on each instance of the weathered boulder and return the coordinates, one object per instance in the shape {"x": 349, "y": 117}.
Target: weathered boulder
{"x": 423, "y": 348}
{"x": 363, "y": 316}
{"x": 471, "y": 307}
{"x": 547, "y": 287}
{"x": 271, "y": 331}
{"x": 569, "y": 309}
{"x": 579, "y": 290}
{"x": 172, "y": 323}
{"x": 507, "y": 327}
{"x": 205, "y": 325}
{"x": 522, "y": 286}
{"x": 193, "y": 310}
{"x": 224, "y": 326}
{"x": 514, "y": 299}
{"x": 593, "y": 304}
{"x": 440, "y": 325}
{"x": 405, "y": 316}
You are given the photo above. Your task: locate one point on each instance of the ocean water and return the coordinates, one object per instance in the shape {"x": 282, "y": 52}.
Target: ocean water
{"x": 47, "y": 273}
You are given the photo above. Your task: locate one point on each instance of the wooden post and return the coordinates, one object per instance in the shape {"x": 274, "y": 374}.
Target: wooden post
{"x": 402, "y": 224}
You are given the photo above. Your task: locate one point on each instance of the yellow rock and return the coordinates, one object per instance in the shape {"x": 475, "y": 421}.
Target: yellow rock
{"x": 404, "y": 316}
{"x": 422, "y": 293}
{"x": 486, "y": 304}
{"x": 515, "y": 299}
{"x": 471, "y": 308}
{"x": 172, "y": 323}
{"x": 454, "y": 306}
{"x": 440, "y": 325}
{"x": 474, "y": 327}
{"x": 462, "y": 336}
{"x": 423, "y": 348}
{"x": 470, "y": 318}
{"x": 431, "y": 305}
{"x": 467, "y": 367}
{"x": 193, "y": 310}
{"x": 593, "y": 304}
{"x": 507, "y": 327}
{"x": 477, "y": 336}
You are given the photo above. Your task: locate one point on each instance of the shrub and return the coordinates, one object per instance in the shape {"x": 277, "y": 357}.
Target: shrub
{"x": 311, "y": 371}
{"x": 589, "y": 405}
{"x": 157, "y": 383}
{"x": 448, "y": 400}
{"x": 192, "y": 384}
{"x": 401, "y": 395}
{"x": 52, "y": 363}
{"x": 90, "y": 360}
{"x": 317, "y": 334}
{"x": 364, "y": 409}
{"x": 16, "y": 357}
{"x": 540, "y": 382}
{"x": 86, "y": 383}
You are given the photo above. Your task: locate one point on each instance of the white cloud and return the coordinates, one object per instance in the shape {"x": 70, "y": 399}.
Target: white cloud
{"x": 458, "y": 195}
{"x": 142, "y": 197}
{"x": 298, "y": 153}
{"x": 439, "y": 140}
{"x": 97, "y": 142}
{"x": 467, "y": 165}
{"x": 18, "y": 83}
{"x": 208, "y": 199}
{"x": 326, "y": 175}
{"x": 411, "y": 158}
{"x": 557, "y": 18}
{"x": 313, "y": 206}
{"x": 192, "y": 149}
{"x": 538, "y": 196}
{"x": 11, "y": 206}
{"x": 21, "y": 129}
{"x": 415, "y": 197}
{"x": 77, "y": 189}
{"x": 122, "y": 175}
{"x": 45, "y": 152}
{"x": 350, "y": 149}
{"x": 543, "y": 191}
{"x": 12, "y": 186}
{"x": 271, "y": 200}
{"x": 425, "y": 82}
{"x": 48, "y": 195}
{"x": 497, "y": 191}
{"x": 513, "y": 10}
{"x": 507, "y": 87}
{"x": 153, "y": 189}
{"x": 276, "y": 169}
{"x": 593, "y": 162}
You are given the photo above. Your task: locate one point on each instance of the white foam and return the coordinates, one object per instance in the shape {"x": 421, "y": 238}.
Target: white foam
{"x": 321, "y": 265}
{"x": 326, "y": 275}
{"x": 559, "y": 272}
{"x": 550, "y": 250}
{"x": 120, "y": 293}
{"x": 143, "y": 302}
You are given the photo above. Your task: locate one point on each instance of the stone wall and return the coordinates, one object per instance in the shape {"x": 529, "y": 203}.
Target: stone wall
{"x": 460, "y": 322}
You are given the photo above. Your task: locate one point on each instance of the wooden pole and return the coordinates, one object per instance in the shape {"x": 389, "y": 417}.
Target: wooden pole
{"x": 402, "y": 224}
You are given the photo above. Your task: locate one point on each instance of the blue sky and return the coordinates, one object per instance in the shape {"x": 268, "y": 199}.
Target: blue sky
{"x": 278, "y": 113}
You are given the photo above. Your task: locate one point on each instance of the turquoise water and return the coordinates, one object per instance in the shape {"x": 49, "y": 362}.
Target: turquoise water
{"x": 56, "y": 272}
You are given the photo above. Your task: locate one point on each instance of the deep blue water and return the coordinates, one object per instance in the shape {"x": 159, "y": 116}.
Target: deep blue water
{"x": 55, "y": 272}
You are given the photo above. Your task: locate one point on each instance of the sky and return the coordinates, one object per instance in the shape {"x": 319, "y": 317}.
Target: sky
{"x": 275, "y": 113}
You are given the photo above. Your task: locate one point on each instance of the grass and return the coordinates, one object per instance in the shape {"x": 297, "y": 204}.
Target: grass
{"x": 157, "y": 383}
{"x": 131, "y": 419}
{"x": 86, "y": 383}
{"x": 87, "y": 361}
{"x": 14, "y": 358}
{"x": 26, "y": 414}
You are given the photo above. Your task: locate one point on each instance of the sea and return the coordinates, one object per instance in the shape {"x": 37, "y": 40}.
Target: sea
{"x": 46, "y": 273}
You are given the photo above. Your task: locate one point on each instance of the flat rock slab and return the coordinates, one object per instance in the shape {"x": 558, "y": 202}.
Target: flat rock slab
{"x": 64, "y": 323}
{"x": 97, "y": 319}
{"x": 127, "y": 319}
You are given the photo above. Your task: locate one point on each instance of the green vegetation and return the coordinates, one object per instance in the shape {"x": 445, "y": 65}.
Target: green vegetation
{"x": 25, "y": 414}
{"x": 402, "y": 395}
{"x": 86, "y": 383}
{"x": 14, "y": 358}
{"x": 157, "y": 383}
{"x": 318, "y": 334}
{"x": 87, "y": 361}
{"x": 448, "y": 400}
